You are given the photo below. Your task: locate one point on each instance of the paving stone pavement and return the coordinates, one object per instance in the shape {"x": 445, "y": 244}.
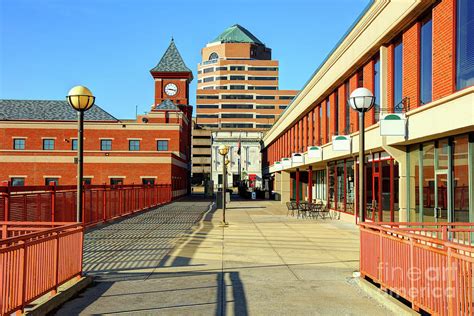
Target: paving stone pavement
{"x": 179, "y": 260}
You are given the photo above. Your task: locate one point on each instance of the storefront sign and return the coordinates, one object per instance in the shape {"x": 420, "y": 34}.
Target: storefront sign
{"x": 393, "y": 125}
{"x": 277, "y": 166}
{"x": 297, "y": 158}
{"x": 315, "y": 152}
{"x": 341, "y": 143}
{"x": 286, "y": 162}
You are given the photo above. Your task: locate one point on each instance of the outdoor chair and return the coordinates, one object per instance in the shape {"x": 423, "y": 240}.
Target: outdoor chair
{"x": 291, "y": 209}
{"x": 325, "y": 212}
{"x": 303, "y": 209}
{"x": 314, "y": 209}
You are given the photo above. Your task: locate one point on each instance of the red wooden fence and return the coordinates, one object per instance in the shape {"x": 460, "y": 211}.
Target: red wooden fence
{"x": 428, "y": 264}
{"x": 36, "y": 258}
{"x": 58, "y": 203}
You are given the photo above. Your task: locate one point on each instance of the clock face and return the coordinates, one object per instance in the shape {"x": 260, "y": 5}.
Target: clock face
{"x": 171, "y": 89}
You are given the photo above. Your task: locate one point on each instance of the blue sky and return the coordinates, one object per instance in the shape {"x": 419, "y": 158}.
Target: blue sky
{"x": 48, "y": 46}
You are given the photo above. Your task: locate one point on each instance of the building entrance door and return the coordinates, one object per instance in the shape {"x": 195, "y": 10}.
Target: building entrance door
{"x": 442, "y": 207}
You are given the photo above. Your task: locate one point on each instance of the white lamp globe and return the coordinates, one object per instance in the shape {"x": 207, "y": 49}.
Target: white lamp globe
{"x": 361, "y": 99}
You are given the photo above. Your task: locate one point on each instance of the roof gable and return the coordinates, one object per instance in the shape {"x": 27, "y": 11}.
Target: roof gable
{"x": 171, "y": 61}
{"x": 167, "y": 104}
{"x": 237, "y": 34}
{"x": 48, "y": 110}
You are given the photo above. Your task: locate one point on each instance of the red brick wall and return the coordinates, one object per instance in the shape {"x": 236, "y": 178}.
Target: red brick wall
{"x": 305, "y": 132}
{"x": 368, "y": 71}
{"x": 317, "y": 125}
{"x": 342, "y": 108}
{"x": 443, "y": 49}
{"x": 390, "y": 83}
{"x": 311, "y": 128}
{"x": 411, "y": 64}
{"x": 324, "y": 123}
{"x": 116, "y": 164}
{"x": 332, "y": 118}
{"x": 354, "y": 121}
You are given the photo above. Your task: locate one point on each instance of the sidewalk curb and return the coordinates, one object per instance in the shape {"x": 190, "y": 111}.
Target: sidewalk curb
{"x": 60, "y": 298}
{"x": 384, "y": 299}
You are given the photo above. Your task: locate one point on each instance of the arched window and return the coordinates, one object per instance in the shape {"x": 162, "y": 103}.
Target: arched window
{"x": 213, "y": 56}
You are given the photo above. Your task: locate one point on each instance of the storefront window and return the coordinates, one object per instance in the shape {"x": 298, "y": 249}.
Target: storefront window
{"x": 414, "y": 184}
{"x": 332, "y": 185}
{"x": 461, "y": 179}
{"x": 428, "y": 161}
{"x": 350, "y": 189}
{"x": 369, "y": 197}
{"x": 443, "y": 154}
{"x": 320, "y": 184}
{"x": 340, "y": 185}
{"x": 386, "y": 186}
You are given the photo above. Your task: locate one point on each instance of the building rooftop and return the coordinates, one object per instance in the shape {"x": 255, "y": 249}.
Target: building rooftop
{"x": 237, "y": 34}
{"x": 167, "y": 104}
{"x": 48, "y": 110}
{"x": 171, "y": 61}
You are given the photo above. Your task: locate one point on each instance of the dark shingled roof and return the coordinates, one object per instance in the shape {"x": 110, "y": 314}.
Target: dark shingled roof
{"x": 167, "y": 104}
{"x": 171, "y": 61}
{"x": 48, "y": 110}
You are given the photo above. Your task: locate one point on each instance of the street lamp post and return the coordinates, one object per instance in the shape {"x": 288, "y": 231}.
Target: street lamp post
{"x": 361, "y": 100}
{"x": 80, "y": 99}
{"x": 223, "y": 150}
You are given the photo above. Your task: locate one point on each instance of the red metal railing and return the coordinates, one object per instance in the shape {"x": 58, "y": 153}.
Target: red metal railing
{"x": 428, "y": 264}
{"x": 35, "y": 259}
{"x": 58, "y": 203}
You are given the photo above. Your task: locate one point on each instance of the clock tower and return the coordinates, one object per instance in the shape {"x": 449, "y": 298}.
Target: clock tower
{"x": 172, "y": 78}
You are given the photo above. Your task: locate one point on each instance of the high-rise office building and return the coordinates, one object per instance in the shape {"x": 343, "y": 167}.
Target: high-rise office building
{"x": 238, "y": 83}
{"x": 237, "y": 92}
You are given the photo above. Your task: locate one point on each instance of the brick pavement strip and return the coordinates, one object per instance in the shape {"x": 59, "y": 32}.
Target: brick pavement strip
{"x": 179, "y": 260}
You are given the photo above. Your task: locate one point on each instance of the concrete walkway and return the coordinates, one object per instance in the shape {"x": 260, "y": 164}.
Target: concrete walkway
{"x": 264, "y": 263}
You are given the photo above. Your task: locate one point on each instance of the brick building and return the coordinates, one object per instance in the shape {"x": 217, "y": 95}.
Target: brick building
{"x": 417, "y": 58}
{"x": 38, "y": 138}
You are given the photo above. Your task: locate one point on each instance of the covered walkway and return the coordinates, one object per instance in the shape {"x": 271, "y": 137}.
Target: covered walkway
{"x": 178, "y": 260}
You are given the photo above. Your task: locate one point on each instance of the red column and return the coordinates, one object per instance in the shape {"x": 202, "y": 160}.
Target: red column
{"x": 310, "y": 184}
{"x": 297, "y": 191}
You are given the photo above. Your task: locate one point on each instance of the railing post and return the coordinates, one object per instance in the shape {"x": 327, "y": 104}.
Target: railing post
{"x": 104, "y": 205}
{"x": 450, "y": 290}
{"x": 83, "y": 204}
{"x": 56, "y": 264}
{"x": 381, "y": 262}
{"x": 24, "y": 256}
{"x": 53, "y": 202}
{"x": 444, "y": 232}
{"x": 411, "y": 291}
{"x": 7, "y": 204}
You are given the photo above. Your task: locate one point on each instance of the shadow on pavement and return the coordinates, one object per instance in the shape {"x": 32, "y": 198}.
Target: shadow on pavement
{"x": 126, "y": 256}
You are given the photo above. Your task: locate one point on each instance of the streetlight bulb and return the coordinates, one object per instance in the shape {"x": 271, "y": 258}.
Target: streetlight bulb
{"x": 223, "y": 150}
{"x": 361, "y": 99}
{"x": 80, "y": 98}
